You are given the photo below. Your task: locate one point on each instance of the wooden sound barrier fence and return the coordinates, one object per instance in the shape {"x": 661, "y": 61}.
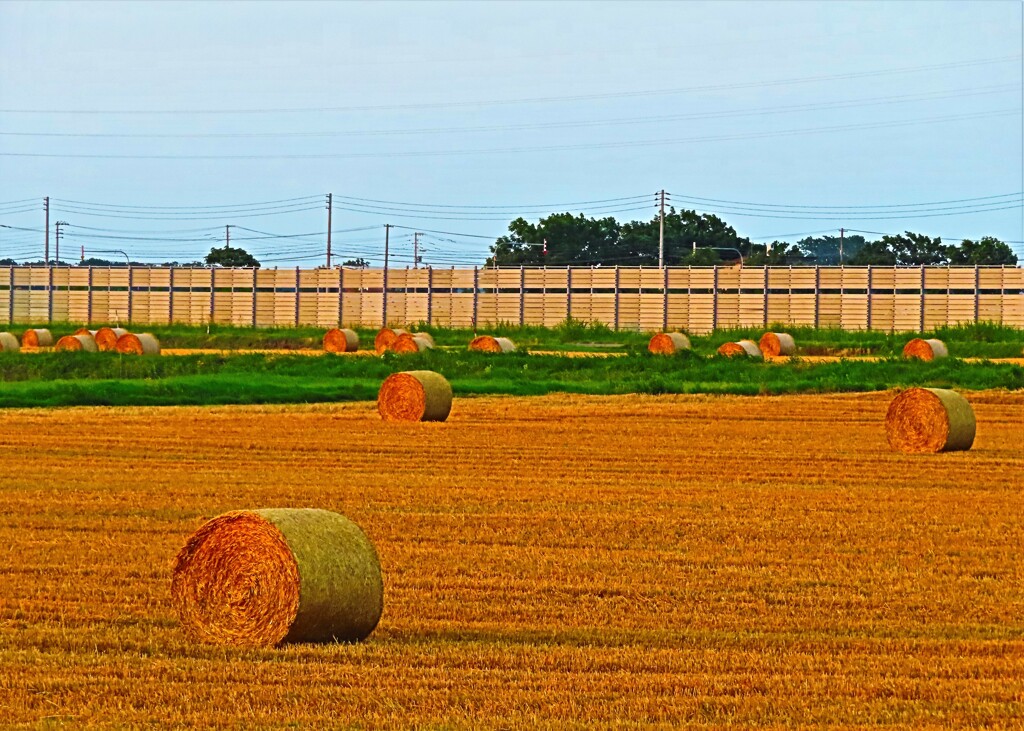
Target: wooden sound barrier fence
{"x": 695, "y": 299}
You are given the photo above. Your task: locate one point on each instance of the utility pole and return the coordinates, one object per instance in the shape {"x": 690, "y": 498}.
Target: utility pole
{"x": 661, "y": 234}
{"x": 330, "y": 206}
{"x": 842, "y": 233}
{"x": 227, "y": 237}
{"x": 56, "y": 241}
{"x": 416, "y": 250}
{"x": 387, "y": 244}
{"x": 46, "y": 251}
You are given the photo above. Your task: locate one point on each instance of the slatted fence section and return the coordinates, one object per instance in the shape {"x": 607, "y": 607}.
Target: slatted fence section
{"x": 692, "y": 299}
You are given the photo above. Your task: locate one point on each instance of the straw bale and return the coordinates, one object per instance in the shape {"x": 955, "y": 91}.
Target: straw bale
{"x": 138, "y": 344}
{"x": 409, "y": 343}
{"x": 774, "y": 344}
{"x": 426, "y": 336}
{"x": 415, "y": 396}
{"x": 491, "y": 344}
{"x": 85, "y": 331}
{"x": 742, "y": 348}
{"x": 9, "y": 343}
{"x": 668, "y": 343}
{"x": 260, "y": 578}
{"x": 84, "y": 342}
{"x": 385, "y": 336}
{"x": 928, "y": 420}
{"x": 36, "y": 338}
{"x": 341, "y": 340}
{"x": 925, "y": 349}
{"x": 106, "y": 337}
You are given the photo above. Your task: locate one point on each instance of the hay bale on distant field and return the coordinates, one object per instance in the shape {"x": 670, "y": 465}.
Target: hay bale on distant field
{"x": 138, "y": 344}
{"x": 85, "y": 331}
{"x": 426, "y": 336}
{"x": 743, "y": 348}
{"x": 491, "y": 344}
{"x": 260, "y": 578}
{"x": 925, "y": 349}
{"x": 775, "y": 344}
{"x": 84, "y": 342}
{"x": 36, "y": 338}
{"x": 341, "y": 340}
{"x": 410, "y": 343}
{"x": 668, "y": 343}
{"x": 415, "y": 396}
{"x": 9, "y": 343}
{"x": 385, "y": 337}
{"x": 106, "y": 337}
{"x": 927, "y": 420}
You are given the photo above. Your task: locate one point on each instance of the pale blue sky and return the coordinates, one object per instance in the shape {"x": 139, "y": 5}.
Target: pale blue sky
{"x": 458, "y": 106}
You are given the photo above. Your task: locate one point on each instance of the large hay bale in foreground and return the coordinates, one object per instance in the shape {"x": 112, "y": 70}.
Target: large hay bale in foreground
{"x": 411, "y": 343}
{"x": 775, "y": 344}
{"x": 491, "y": 344}
{"x": 341, "y": 340}
{"x": 138, "y": 344}
{"x": 743, "y": 348}
{"x": 9, "y": 343}
{"x": 925, "y": 349}
{"x": 927, "y": 420}
{"x": 668, "y": 343}
{"x": 84, "y": 342}
{"x": 263, "y": 577}
{"x": 415, "y": 396}
{"x": 106, "y": 337}
{"x": 36, "y": 338}
{"x": 385, "y": 337}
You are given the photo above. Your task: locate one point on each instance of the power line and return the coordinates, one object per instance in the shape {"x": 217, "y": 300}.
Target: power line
{"x": 538, "y": 100}
{"x": 545, "y": 148}
{"x": 234, "y": 206}
{"x": 892, "y": 205}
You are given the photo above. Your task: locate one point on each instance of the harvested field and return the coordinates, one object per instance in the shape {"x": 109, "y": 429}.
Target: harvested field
{"x": 562, "y": 561}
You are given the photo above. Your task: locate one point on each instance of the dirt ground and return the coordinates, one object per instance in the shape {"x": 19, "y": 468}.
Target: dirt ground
{"x": 561, "y": 562}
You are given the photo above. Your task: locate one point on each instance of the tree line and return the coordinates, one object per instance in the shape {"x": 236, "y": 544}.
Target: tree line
{"x": 693, "y": 239}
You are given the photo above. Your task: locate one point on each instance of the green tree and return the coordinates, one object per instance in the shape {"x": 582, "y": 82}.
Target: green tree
{"x": 359, "y": 263}
{"x": 987, "y": 250}
{"x": 778, "y": 253}
{"x": 916, "y": 249}
{"x": 825, "y": 250}
{"x": 686, "y": 232}
{"x": 230, "y": 256}
{"x": 567, "y": 239}
{"x": 875, "y": 253}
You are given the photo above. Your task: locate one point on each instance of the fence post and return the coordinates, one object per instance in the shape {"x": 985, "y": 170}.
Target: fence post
{"x": 922, "y": 299}
{"x": 476, "y": 289}
{"x": 870, "y": 270}
{"x": 522, "y": 295}
{"x": 714, "y": 299}
{"x": 817, "y": 296}
{"x": 664, "y": 298}
{"x": 170, "y": 295}
{"x": 49, "y": 293}
{"x": 10, "y": 289}
{"x": 213, "y": 290}
{"x": 254, "y": 271}
{"x": 765, "y": 313}
{"x": 977, "y": 291}
{"x": 430, "y": 295}
{"x": 341, "y": 296}
{"x": 568, "y": 293}
{"x": 130, "y": 282}
{"x": 616, "y": 296}
{"x": 88, "y": 297}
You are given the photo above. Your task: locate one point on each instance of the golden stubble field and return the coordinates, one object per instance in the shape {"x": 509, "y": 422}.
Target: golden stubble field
{"x": 558, "y": 562}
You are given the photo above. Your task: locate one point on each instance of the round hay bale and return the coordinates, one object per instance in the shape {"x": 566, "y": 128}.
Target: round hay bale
{"x": 259, "y": 578}
{"x": 741, "y": 348}
{"x": 85, "y": 331}
{"x": 36, "y": 338}
{"x": 426, "y": 336}
{"x": 928, "y": 420}
{"x": 491, "y": 344}
{"x": 415, "y": 396}
{"x": 106, "y": 337}
{"x": 9, "y": 343}
{"x": 341, "y": 340}
{"x": 774, "y": 344}
{"x": 410, "y": 343}
{"x": 77, "y": 342}
{"x": 925, "y": 349}
{"x": 138, "y": 344}
{"x": 668, "y": 343}
{"x": 385, "y": 336}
